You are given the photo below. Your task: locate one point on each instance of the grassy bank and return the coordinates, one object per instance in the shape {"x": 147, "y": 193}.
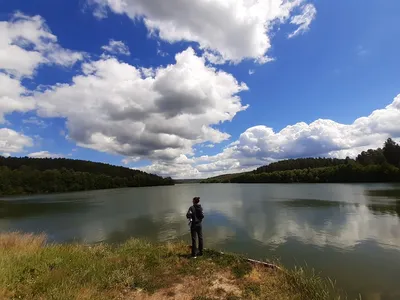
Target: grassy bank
{"x": 32, "y": 269}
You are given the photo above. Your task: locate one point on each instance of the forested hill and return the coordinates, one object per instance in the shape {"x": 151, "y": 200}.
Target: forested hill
{"x": 374, "y": 165}
{"x": 300, "y": 164}
{"x": 51, "y": 175}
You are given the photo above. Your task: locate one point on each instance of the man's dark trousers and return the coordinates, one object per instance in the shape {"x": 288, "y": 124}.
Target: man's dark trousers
{"x": 197, "y": 229}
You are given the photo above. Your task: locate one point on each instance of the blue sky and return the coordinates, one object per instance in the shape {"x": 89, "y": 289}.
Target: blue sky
{"x": 81, "y": 90}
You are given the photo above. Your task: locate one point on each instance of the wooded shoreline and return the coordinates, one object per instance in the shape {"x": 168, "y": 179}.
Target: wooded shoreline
{"x": 379, "y": 165}
{"x": 26, "y": 175}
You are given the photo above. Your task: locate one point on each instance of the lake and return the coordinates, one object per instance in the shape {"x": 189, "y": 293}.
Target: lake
{"x": 349, "y": 232}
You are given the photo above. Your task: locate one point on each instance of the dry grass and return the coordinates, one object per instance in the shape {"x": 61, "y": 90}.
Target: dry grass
{"x": 15, "y": 241}
{"x": 31, "y": 269}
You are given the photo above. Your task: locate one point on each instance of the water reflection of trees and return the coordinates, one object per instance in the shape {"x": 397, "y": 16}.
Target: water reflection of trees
{"x": 151, "y": 229}
{"x": 385, "y": 201}
{"x": 314, "y": 203}
{"x": 388, "y": 193}
{"x": 389, "y": 209}
{"x": 25, "y": 208}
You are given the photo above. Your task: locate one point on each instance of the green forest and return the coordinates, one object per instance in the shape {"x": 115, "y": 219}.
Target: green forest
{"x": 55, "y": 175}
{"x": 374, "y": 165}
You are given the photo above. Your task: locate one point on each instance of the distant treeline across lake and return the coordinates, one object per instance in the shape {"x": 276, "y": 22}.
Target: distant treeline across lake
{"x": 373, "y": 165}
{"x": 54, "y": 175}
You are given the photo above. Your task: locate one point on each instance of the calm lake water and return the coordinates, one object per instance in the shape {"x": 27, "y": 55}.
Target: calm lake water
{"x": 350, "y": 232}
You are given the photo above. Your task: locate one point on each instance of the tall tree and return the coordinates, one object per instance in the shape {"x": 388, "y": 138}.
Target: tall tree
{"x": 391, "y": 151}
{"x": 371, "y": 157}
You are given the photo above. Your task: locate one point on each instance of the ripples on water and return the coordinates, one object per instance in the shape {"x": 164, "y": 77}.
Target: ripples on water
{"x": 349, "y": 232}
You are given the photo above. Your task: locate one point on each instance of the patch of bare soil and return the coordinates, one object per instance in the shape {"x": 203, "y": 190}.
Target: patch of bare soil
{"x": 217, "y": 287}
{"x": 224, "y": 284}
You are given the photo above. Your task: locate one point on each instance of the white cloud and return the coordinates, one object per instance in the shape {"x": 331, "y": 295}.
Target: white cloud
{"x": 251, "y": 72}
{"x": 116, "y": 47}
{"x": 26, "y": 42}
{"x": 214, "y": 57}
{"x": 303, "y": 20}
{"x": 180, "y": 167}
{"x": 227, "y": 30}
{"x": 129, "y": 160}
{"x": 117, "y": 108}
{"x": 12, "y": 97}
{"x": 148, "y": 72}
{"x": 45, "y": 154}
{"x": 322, "y": 137}
{"x": 203, "y": 166}
{"x": 13, "y": 142}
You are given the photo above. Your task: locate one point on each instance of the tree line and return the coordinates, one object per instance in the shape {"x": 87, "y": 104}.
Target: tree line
{"x": 373, "y": 165}
{"x": 53, "y": 175}
{"x": 300, "y": 164}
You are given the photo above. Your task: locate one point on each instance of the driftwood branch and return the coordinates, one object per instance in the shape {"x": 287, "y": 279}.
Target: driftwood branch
{"x": 265, "y": 264}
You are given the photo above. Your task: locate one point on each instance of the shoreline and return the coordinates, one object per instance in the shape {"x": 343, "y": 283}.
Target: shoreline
{"x": 2, "y": 196}
{"x": 31, "y": 268}
{"x": 6, "y": 197}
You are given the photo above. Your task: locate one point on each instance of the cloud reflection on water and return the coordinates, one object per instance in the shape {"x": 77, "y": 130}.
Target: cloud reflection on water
{"x": 343, "y": 223}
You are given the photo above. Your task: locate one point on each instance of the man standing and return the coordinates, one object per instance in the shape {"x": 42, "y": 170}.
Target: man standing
{"x": 195, "y": 215}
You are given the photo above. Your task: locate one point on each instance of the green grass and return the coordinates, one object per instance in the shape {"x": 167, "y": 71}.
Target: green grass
{"x": 32, "y": 269}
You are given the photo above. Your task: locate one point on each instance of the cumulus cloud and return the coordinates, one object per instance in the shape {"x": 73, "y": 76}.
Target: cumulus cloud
{"x": 203, "y": 166}
{"x": 159, "y": 114}
{"x": 44, "y": 154}
{"x": 13, "y": 96}
{"x": 260, "y": 145}
{"x": 25, "y": 43}
{"x": 303, "y": 20}
{"x": 130, "y": 160}
{"x": 180, "y": 167}
{"x": 322, "y": 137}
{"x": 116, "y": 47}
{"x": 226, "y": 30}
{"x": 13, "y": 142}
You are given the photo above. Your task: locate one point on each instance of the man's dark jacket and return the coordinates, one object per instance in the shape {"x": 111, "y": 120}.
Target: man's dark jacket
{"x": 195, "y": 213}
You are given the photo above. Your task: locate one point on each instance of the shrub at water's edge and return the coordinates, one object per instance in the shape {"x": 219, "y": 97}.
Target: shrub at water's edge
{"x": 32, "y": 269}
{"x": 46, "y": 175}
{"x": 379, "y": 165}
